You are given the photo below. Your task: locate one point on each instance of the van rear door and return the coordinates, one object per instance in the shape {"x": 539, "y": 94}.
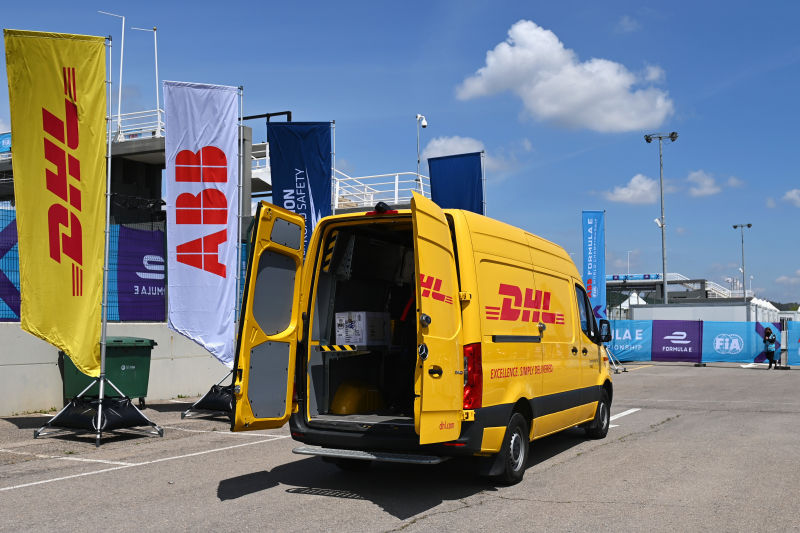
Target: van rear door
{"x": 270, "y": 325}
{"x": 439, "y": 378}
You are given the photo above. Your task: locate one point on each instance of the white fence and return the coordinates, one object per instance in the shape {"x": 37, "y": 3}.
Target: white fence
{"x": 366, "y": 191}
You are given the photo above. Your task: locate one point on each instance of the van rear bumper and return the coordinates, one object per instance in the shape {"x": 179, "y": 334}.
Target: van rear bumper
{"x": 385, "y": 457}
{"x": 393, "y": 439}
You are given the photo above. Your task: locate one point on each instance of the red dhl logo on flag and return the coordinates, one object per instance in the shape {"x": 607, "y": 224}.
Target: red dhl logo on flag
{"x": 432, "y": 287}
{"x": 209, "y": 207}
{"x": 534, "y": 307}
{"x": 61, "y": 140}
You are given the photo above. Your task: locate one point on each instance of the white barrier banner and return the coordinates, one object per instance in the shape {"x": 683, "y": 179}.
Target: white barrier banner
{"x": 202, "y": 211}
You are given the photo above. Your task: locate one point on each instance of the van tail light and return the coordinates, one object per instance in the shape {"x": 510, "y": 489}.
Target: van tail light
{"x": 473, "y": 376}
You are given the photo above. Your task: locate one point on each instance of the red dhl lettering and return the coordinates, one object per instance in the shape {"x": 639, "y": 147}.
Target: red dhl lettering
{"x": 446, "y": 425}
{"x": 534, "y": 307}
{"x": 65, "y": 233}
{"x": 431, "y": 288}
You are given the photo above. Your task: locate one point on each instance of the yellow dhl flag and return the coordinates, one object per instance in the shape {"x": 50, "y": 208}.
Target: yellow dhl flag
{"x": 57, "y": 92}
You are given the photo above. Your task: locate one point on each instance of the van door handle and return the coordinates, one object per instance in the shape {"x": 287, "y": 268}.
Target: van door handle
{"x": 584, "y": 351}
{"x": 574, "y": 350}
{"x": 435, "y": 371}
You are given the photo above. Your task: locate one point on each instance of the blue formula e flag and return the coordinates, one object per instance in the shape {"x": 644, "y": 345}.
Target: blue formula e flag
{"x": 457, "y": 181}
{"x": 594, "y": 259}
{"x": 300, "y": 163}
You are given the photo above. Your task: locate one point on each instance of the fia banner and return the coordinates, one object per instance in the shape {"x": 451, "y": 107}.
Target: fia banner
{"x": 202, "y": 213}
{"x": 457, "y": 182}
{"x": 57, "y": 93}
{"x": 300, "y": 163}
{"x": 594, "y": 259}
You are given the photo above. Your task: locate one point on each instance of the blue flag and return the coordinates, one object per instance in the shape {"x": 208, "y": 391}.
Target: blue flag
{"x": 594, "y": 260}
{"x": 457, "y": 181}
{"x": 300, "y": 163}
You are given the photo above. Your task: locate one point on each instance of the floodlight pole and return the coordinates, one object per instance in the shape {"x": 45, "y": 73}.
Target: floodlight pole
{"x": 158, "y": 99}
{"x": 420, "y": 120}
{"x": 649, "y": 138}
{"x": 744, "y": 285}
{"x": 121, "y": 58}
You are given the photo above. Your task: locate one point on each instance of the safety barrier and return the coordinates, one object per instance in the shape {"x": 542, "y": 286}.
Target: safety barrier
{"x": 695, "y": 341}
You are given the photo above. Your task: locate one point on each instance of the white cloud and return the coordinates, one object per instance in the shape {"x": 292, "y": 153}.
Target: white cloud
{"x": 526, "y": 145}
{"x": 5, "y": 127}
{"x": 681, "y": 230}
{"x": 639, "y": 190}
{"x": 554, "y": 85}
{"x": 703, "y": 184}
{"x": 441, "y": 146}
{"x": 793, "y": 196}
{"x": 789, "y": 280}
{"x": 735, "y": 182}
{"x": 627, "y": 24}
{"x": 771, "y": 203}
{"x": 654, "y": 74}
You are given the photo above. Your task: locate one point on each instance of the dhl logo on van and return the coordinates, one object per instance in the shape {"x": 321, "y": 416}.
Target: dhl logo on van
{"x": 431, "y": 288}
{"x": 534, "y": 307}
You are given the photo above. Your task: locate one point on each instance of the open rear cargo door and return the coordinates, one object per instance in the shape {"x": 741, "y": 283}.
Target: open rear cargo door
{"x": 265, "y": 356}
{"x": 439, "y": 379}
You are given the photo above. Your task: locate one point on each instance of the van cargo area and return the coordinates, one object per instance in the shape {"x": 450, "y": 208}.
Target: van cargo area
{"x": 363, "y": 330}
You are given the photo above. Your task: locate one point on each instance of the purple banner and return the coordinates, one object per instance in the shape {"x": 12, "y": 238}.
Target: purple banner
{"x": 9, "y": 272}
{"x": 677, "y": 340}
{"x": 140, "y": 275}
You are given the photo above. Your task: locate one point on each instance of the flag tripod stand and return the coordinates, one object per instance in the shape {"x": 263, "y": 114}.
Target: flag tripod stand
{"x": 217, "y": 401}
{"x": 111, "y": 412}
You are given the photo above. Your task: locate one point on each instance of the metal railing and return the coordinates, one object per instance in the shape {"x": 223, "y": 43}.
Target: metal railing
{"x": 366, "y": 191}
{"x": 139, "y": 125}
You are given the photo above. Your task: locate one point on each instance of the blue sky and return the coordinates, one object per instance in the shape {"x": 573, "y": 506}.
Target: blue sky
{"x": 558, "y": 94}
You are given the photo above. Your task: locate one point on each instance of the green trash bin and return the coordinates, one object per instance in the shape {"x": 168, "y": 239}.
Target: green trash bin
{"x": 127, "y": 367}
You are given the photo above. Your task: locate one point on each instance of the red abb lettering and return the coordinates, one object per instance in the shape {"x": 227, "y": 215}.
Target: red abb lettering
{"x": 207, "y": 207}
{"x": 209, "y": 164}
{"x": 203, "y": 253}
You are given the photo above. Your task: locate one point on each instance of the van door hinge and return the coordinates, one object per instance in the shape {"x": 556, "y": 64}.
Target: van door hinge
{"x": 464, "y": 296}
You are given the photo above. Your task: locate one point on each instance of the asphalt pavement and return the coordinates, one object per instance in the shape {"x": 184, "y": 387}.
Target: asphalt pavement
{"x": 690, "y": 449}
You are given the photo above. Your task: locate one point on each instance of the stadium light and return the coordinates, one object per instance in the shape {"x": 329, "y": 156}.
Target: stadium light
{"x": 661, "y": 222}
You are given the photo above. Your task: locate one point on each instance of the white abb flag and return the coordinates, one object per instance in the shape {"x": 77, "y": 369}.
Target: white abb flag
{"x": 202, "y": 213}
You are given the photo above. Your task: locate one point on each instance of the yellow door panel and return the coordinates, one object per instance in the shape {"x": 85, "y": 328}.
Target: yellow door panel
{"x": 265, "y": 357}
{"x": 439, "y": 381}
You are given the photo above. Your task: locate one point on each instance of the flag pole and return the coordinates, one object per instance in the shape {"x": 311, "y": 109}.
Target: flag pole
{"x": 104, "y": 326}
{"x": 237, "y": 302}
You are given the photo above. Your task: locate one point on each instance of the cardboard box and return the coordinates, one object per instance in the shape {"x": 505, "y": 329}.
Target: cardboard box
{"x": 363, "y": 328}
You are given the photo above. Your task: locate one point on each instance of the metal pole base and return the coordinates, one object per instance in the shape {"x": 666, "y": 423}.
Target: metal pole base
{"x": 699, "y": 364}
{"x": 98, "y": 425}
{"x": 194, "y": 411}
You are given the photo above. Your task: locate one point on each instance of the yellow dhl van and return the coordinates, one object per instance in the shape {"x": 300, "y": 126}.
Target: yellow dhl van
{"x": 416, "y": 335}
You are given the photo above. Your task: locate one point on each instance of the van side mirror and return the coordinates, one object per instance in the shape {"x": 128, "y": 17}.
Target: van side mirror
{"x": 605, "y": 330}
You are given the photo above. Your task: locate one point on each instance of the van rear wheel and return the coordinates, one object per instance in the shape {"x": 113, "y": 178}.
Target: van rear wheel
{"x": 598, "y": 428}
{"x": 515, "y": 451}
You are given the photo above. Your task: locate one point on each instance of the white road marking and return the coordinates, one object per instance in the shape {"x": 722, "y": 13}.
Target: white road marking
{"x": 179, "y": 401}
{"x": 624, "y": 413}
{"x": 145, "y": 463}
{"x": 64, "y": 458}
{"x": 235, "y": 434}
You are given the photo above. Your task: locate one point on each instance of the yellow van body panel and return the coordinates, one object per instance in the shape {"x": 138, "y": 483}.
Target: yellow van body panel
{"x": 269, "y": 330}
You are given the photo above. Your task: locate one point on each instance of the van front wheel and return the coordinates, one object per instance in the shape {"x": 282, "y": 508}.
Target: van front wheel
{"x": 515, "y": 450}
{"x": 598, "y": 428}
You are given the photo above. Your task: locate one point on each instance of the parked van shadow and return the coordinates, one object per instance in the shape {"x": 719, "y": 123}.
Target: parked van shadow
{"x": 396, "y": 488}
